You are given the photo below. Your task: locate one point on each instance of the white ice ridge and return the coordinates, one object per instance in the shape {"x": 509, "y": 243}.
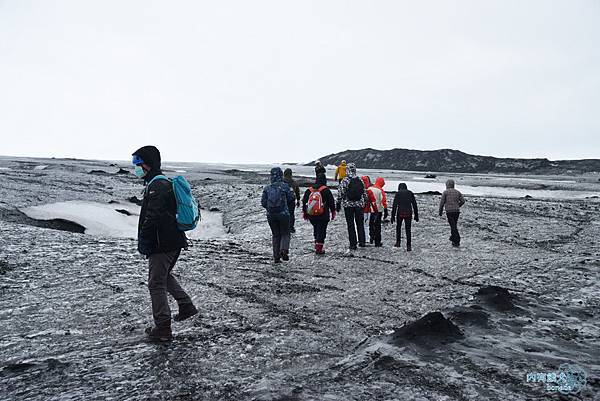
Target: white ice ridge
{"x": 102, "y": 219}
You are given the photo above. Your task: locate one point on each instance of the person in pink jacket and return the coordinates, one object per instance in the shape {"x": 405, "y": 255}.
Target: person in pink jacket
{"x": 368, "y": 205}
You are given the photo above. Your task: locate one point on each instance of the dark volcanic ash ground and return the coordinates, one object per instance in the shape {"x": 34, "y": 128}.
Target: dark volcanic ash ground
{"x": 520, "y": 296}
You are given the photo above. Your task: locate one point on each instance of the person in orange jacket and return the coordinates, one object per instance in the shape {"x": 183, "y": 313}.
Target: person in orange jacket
{"x": 368, "y": 205}
{"x": 379, "y": 210}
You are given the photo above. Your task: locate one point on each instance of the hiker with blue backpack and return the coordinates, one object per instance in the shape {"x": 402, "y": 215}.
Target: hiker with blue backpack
{"x": 318, "y": 205}
{"x": 277, "y": 198}
{"x": 168, "y": 210}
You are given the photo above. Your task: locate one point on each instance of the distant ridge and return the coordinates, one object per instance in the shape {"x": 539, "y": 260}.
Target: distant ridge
{"x": 455, "y": 161}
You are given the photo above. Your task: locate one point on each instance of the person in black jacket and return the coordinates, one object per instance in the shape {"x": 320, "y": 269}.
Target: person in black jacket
{"x": 319, "y": 168}
{"x": 402, "y": 209}
{"x": 319, "y": 221}
{"x": 161, "y": 242}
{"x": 287, "y": 178}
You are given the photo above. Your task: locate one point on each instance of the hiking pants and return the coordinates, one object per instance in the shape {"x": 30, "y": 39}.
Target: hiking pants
{"x": 375, "y": 229}
{"x": 320, "y": 229}
{"x": 355, "y": 215}
{"x": 453, "y": 220}
{"x": 407, "y": 224}
{"x": 280, "y": 228}
{"x": 366, "y": 223}
{"x": 161, "y": 282}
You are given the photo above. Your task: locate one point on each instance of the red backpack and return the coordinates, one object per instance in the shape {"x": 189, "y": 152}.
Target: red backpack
{"x": 314, "y": 206}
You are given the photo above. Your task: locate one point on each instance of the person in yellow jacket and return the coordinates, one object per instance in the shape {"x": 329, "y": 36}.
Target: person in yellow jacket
{"x": 340, "y": 171}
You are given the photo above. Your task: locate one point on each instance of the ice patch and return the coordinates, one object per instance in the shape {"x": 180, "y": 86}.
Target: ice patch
{"x": 103, "y": 219}
{"x": 500, "y": 192}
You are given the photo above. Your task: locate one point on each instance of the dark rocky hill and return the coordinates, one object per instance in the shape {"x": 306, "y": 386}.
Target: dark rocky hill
{"x": 455, "y": 161}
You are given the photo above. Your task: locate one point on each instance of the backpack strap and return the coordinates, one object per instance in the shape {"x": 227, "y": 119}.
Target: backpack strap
{"x": 313, "y": 190}
{"x": 158, "y": 177}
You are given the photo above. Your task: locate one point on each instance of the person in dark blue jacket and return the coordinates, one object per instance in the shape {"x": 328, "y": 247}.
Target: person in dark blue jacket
{"x": 278, "y": 199}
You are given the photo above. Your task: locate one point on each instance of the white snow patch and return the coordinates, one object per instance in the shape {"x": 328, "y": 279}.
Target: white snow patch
{"x": 41, "y": 167}
{"x": 172, "y": 167}
{"x": 102, "y": 219}
{"x": 210, "y": 227}
{"x": 5, "y": 168}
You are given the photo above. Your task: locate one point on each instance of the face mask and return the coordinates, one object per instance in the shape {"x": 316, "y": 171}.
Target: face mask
{"x": 139, "y": 172}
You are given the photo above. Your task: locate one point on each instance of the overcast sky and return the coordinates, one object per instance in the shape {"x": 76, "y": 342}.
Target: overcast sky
{"x": 274, "y": 81}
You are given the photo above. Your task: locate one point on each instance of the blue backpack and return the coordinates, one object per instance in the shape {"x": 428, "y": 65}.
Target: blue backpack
{"x": 275, "y": 198}
{"x": 188, "y": 213}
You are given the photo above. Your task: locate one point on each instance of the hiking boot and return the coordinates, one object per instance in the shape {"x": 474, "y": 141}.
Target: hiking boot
{"x": 319, "y": 249}
{"x": 397, "y": 245}
{"x": 285, "y": 254}
{"x": 353, "y": 247}
{"x": 276, "y": 260}
{"x": 186, "y": 311}
{"x": 456, "y": 244}
{"x": 371, "y": 240}
{"x": 408, "y": 248}
{"x": 159, "y": 334}
{"x": 362, "y": 245}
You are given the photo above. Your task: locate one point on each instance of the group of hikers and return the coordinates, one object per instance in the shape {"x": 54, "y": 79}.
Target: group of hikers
{"x": 364, "y": 203}
{"x": 163, "y": 221}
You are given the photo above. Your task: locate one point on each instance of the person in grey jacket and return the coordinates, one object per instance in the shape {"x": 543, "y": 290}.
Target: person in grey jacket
{"x": 452, "y": 200}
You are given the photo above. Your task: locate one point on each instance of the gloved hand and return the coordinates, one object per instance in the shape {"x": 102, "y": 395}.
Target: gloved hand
{"x": 333, "y": 214}
{"x": 385, "y": 213}
{"x": 338, "y": 207}
{"x": 305, "y": 215}
{"x": 417, "y": 218}
{"x": 144, "y": 247}
{"x": 393, "y": 220}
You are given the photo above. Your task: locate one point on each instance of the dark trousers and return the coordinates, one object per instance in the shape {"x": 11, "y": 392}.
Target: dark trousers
{"x": 407, "y": 224}
{"x": 375, "y": 227}
{"x": 355, "y": 215}
{"x": 292, "y": 210}
{"x": 320, "y": 229}
{"x": 280, "y": 228}
{"x": 453, "y": 220}
{"x": 161, "y": 282}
